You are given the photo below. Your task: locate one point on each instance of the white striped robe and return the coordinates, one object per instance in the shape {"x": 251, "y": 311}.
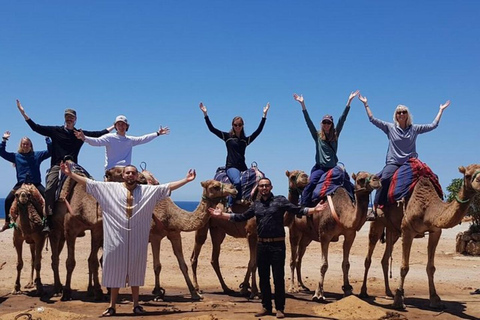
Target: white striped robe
{"x": 125, "y": 240}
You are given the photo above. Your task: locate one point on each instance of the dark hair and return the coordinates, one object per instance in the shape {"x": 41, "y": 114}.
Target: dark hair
{"x": 232, "y": 132}
{"x": 130, "y": 165}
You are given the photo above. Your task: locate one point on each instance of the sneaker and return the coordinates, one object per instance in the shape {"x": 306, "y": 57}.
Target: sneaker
{"x": 5, "y": 227}
{"x": 263, "y": 312}
{"x": 280, "y": 314}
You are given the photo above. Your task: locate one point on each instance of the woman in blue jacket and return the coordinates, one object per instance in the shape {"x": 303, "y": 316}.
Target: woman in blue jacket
{"x": 27, "y": 165}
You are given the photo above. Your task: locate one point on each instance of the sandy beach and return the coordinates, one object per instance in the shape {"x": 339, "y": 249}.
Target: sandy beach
{"x": 455, "y": 278}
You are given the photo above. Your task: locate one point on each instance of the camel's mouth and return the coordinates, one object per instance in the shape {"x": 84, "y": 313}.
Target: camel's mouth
{"x": 22, "y": 198}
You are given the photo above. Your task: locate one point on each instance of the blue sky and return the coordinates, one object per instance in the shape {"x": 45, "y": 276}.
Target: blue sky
{"x": 154, "y": 61}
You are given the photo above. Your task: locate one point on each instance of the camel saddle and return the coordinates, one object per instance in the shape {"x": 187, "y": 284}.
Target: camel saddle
{"x": 248, "y": 178}
{"x": 332, "y": 180}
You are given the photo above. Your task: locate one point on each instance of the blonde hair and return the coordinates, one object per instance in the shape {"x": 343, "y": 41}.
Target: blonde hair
{"x": 401, "y": 107}
{"x": 20, "y": 150}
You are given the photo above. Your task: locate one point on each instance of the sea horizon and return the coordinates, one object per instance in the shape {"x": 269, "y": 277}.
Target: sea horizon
{"x": 185, "y": 205}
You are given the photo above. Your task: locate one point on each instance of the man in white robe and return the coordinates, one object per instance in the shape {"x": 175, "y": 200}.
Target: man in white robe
{"x": 127, "y": 214}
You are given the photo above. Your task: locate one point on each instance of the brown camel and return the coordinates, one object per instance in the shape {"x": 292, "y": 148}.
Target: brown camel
{"x": 27, "y": 214}
{"x": 346, "y": 219}
{"x": 426, "y": 212}
{"x": 218, "y": 230}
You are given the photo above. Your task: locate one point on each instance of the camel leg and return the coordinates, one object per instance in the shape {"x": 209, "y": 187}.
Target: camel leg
{"x": 302, "y": 248}
{"x": 30, "y": 283}
{"x": 70, "y": 264}
{"x": 96, "y": 243}
{"x": 433, "y": 238}
{"x": 318, "y": 296}
{"x": 200, "y": 238}
{"x": 374, "y": 234}
{"x": 294, "y": 239}
{"x": 252, "y": 265}
{"x": 217, "y": 236}
{"x": 407, "y": 239}
{"x": 347, "y": 246}
{"x": 18, "y": 243}
{"x": 56, "y": 245}
{"x": 392, "y": 237}
{"x": 155, "y": 243}
{"x": 38, "y": 264}
{"x": 176, "y": 242}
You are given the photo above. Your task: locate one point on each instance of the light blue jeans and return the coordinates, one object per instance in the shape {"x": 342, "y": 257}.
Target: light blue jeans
{"x": 234, "y": 175}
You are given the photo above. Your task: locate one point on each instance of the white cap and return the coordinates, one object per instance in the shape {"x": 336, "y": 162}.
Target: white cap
{"x": 121, "y": 118}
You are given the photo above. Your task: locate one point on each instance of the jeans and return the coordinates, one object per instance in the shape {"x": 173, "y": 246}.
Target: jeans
{"x": 272, "y": 254}
{"x": 307, "y": 194}
{"x": 51, "y": 188}
{"x": 385, "y": 178}
{"x": 234, "y": 175}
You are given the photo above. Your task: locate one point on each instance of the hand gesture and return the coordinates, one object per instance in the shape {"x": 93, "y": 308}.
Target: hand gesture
{"x": 163, "y": 131}
{"x": 363, "y": 99}
{"x": 320, "y": 206}
{"x": 215, "y": 211}
{"x": 352, "y": 95}
{"x": 203, "y": 108}
{"x": 79, "y": 134}
{"x": 297, "y": 97}
{"x": 265, "y": 109}
{"x": 191, "y": 175}
{"x": 6, "y": 135}
{"x": 65, "y": 168}
{"x": 445, "y": 105}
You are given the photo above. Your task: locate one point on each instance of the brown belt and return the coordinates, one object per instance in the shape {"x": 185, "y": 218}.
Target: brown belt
{"x": 271, "y": 239}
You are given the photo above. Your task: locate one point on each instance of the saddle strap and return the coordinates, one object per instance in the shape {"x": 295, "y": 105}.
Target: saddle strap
{"x": 332, "y": 210}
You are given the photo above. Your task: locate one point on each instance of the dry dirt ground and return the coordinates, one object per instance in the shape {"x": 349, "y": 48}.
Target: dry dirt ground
{"x": 456, "y": 277}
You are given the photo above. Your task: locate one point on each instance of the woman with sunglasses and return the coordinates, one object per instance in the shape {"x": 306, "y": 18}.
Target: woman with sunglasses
{"x": 27, "y": 165}
{"x": 402, "y": 136}
{"x": 326, "y": 145}
{"x": 236, "y": 142}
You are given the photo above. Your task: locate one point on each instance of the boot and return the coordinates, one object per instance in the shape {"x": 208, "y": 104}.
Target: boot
{"x": 7, "y": 224}
{"x": 46, "y": 224}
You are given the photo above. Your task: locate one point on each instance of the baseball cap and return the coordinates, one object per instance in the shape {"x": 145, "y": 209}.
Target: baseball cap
{"x": 327, "y": 117}
{"x": 121, "y": 118}
{"x": 70, "y": 112}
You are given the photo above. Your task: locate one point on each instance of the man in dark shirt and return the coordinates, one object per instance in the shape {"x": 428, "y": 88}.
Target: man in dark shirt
{"x": 64, "y": 144}
{"x": 269, "y": 211}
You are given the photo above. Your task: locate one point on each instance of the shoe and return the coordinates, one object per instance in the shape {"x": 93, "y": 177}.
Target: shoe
{"x": 280, "y": 314}
{"x": 46, "y": 228}
{"x": 138, "y": 310}
{"x": 264, "y": 312}
{"x": 109, "y": 312}
{"x": 475, "y": 292}
{"x": 5, "y": 227}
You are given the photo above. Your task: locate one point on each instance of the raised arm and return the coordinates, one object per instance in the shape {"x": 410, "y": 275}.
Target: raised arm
{"x": 191, "y": 174}
{"x": 365, "y": 103}
{"x": 440, "y": 111}
{"x": 66, "y": 170}
{"x": 22, "y": 110}
{"x": 299, "y": 98}
{"x": 265, "y": 110}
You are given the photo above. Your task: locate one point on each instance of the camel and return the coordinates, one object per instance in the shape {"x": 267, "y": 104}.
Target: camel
{"x": 218, "y": 230}
{"x": 27, "y": 213}
{"x": 426, "y": 212}
{"x": 346, "y": 219}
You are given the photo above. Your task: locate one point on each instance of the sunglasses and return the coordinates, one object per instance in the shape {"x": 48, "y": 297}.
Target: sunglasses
{"x": 402, "y": 112}
{"x": 264, "y": 185}
{"x": 326, "y": 122}
{"x": 237, "y": 125}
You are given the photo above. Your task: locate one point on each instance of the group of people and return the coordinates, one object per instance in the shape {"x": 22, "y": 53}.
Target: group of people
{"x": 127, "y": 206}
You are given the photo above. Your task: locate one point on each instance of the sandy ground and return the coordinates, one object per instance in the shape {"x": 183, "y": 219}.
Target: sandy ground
{"x": 456, "y": 277}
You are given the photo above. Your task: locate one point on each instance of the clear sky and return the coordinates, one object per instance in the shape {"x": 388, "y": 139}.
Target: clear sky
{"x": 154, "y": 61}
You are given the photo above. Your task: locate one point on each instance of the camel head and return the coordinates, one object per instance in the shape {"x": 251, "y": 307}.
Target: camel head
{"x": 365, "y": 181}
{"x": 471, "y": 177}
{"x": 216, "y": 190}
{"x": 23, "y": 195}
{"x": 297, "y": 179}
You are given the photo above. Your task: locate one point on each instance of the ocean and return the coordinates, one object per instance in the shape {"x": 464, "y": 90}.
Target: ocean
{"x": 185, "y": 205}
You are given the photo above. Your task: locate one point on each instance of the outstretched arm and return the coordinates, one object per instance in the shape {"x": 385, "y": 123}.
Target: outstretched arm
{"x": 66, "y": 170}
{"x": 299, "y": 98}
{"x": 191, "y": 174}
{"x": 440, "y": 111}
{"x": 163, "y": 130}
{"x": 22, "y": 110}
{"x": 365, "y": 103}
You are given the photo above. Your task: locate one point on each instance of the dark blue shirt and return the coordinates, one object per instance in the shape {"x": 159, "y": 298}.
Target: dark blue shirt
{"x": 269, "y": 214}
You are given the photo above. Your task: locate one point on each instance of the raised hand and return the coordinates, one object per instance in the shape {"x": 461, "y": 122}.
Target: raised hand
{"x": 22, "y": 110}
{"x": 352, "y": 95}
{"x": 79, "y": 134}
{"x": 163, "y": 130}
{"x": 203, "y": 108}
{"x": 297, "y": 97}
{"x": 445, "y": 105}
{"x": 265, "y": 109}
{"x": 363, "y": 99}
{"x": 6, "y": 135}
{"x": 191, "y": 175}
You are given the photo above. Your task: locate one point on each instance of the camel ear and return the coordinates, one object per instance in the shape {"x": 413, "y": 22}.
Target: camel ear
{"x": 354, "y": 176}
{"x": 204, "y": 184}
{"x": 462, "y": 169}
{"x": 287, "y": 173}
